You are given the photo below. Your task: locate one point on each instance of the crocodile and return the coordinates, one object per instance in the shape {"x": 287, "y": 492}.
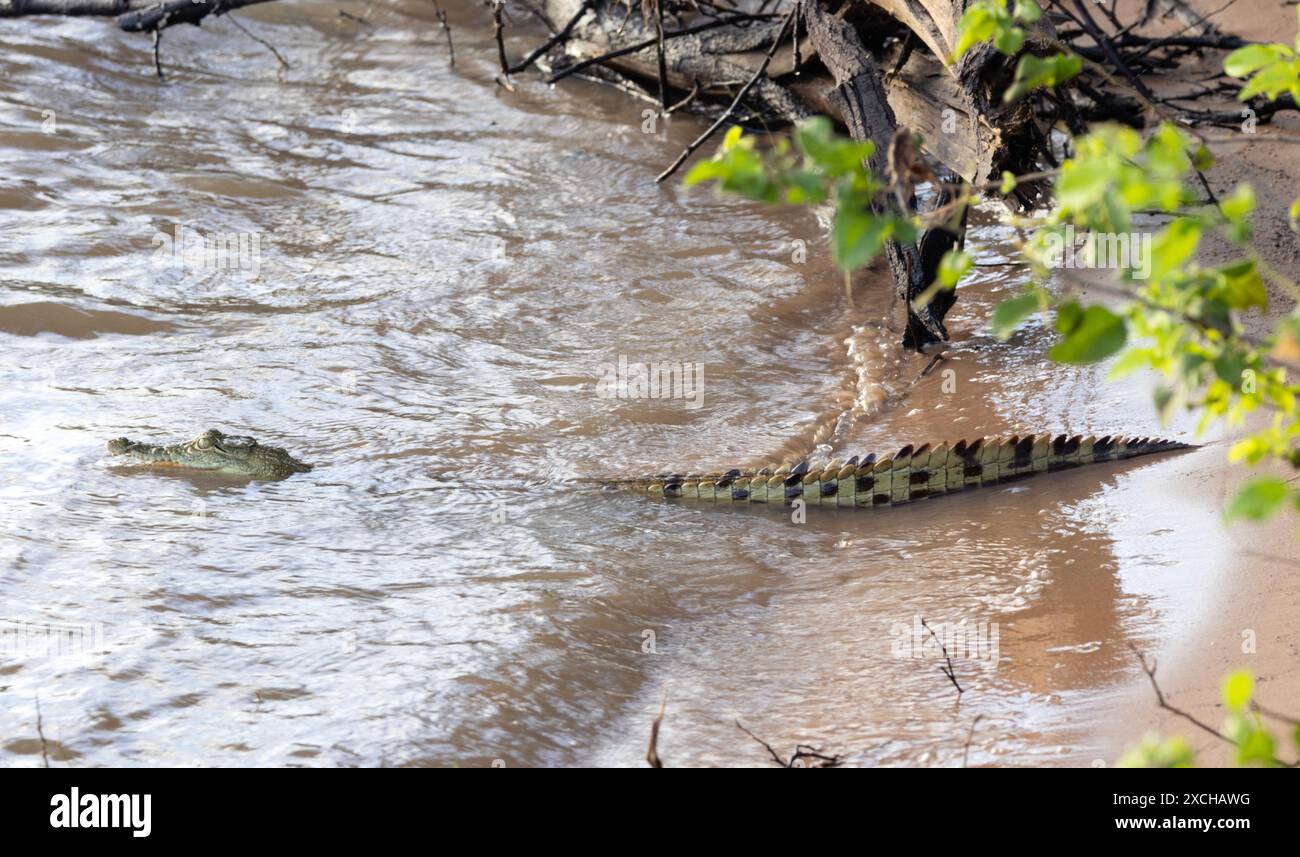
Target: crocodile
{"x": 912, "y": 473}
{"x": 214, "y": 451}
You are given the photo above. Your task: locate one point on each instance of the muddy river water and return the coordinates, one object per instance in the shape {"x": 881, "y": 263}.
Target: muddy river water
{"x": 426, "y": 279}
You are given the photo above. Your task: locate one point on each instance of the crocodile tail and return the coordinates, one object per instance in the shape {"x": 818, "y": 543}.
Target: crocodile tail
{"x": 912, "y": 473}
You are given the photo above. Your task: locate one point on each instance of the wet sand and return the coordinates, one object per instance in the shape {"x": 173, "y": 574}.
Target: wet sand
{"x": 1250, "y": 612}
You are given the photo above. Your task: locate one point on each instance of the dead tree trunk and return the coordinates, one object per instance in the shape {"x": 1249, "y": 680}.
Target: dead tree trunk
{"x": 859, "y": 97}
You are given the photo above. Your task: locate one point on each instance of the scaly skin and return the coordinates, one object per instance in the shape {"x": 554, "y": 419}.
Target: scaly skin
{"x": 214, "y": 451}
{"x": 910, "y": 474}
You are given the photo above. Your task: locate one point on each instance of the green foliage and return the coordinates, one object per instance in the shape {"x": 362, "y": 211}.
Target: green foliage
{"x": 987, "y": 20}
{"x": 1090, "y": 333}
{"x": 1255, "y": 744}
{"x": 1008, "y": 315}
{"x": 1271, "y": 69}
{"x": 1173, "y": 752}
{"x": 1238, "y": 688}
{"x": 954, "y": 265}
{"x": 820, "y": 166}
{"x": 1033, "y": 72}
{"x": 1259, "y": 499}
{"x": 991, "y": 19}
{"x": 1169, "y": 314}
{"x": 1181, "y": 319}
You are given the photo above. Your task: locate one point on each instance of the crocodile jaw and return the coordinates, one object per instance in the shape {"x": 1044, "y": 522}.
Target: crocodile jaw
{"x": 214, "y": 452}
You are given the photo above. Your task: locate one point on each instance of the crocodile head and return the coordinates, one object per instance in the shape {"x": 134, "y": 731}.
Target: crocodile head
{"x": 212, "y": 450}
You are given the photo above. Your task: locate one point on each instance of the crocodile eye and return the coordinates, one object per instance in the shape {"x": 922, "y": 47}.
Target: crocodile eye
{"x": 204, "y": 442}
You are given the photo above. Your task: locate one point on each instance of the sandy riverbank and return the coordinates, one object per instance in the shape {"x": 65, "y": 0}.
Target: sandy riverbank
{"x": 1251, "y": 617}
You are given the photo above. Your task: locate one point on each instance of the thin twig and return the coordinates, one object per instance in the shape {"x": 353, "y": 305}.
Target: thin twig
{"x": 652, "y": 752}
{"x": 690, "y": 96}
{"x": 782, "y": 762}
{"x": 659, "y": 49}
{"x": 352, "y": 17}
{"x": 1088, "y": 23}
{"x": 1150, "y": 670}
{"x": 284, "y": 63}
{"x": 948, "y": 670}
{"x": 157, "y": 58}
{"x": 934, "y": 361}
{"x": 798, "y": 16}
{"x": 446, "y": 29}
{"x": 558, "y": 38}
{"x": 1276, "y": 715}
{"x": 700, "y": 140}
{"x": 40, "y": 732}
{"x": 497, "y": 7}
{"x": 801, "y": 752}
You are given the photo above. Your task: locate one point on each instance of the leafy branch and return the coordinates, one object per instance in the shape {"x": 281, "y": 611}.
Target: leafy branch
{"x": 1174, "y": 315}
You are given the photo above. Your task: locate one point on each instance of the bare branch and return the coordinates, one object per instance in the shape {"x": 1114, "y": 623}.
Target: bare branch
{"x": 40, "y": 732}
{"x": 726, "y": 114}
{"x": 946, "y": 670}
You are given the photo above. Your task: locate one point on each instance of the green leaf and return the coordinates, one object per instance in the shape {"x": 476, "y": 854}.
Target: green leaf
{"x": 953, "y": 266}
{"x": 1238, "y": 687}
{"x": 705, "y": 171}
{"x": 1009, "y": 184}
{"x": 734, "y": 136}
{"x": 1009, "y": 40}
{"x": 1174, "y": 245}
{"x": 1271, "y": 80}
{"x": 805, "y": 187}
{"x": 857, "y": 236}
{"x": 977, "y": 24}
{"x": 1167, "y": 151}
{"x": 1244, "y": 288}
{"x": 1129, "y": 362}
{"x": 1249, "y": 59}
{"x": 835, "y": 155}
{"x": 1154, "y": 753}
{"x": 1259, "y": 499}
{"x": 1033, "y": 72}
{"x": 1240, "y": 204}
{"x": 1256, "y": 748}
{"x": 1083, "y": 182}
{"x": 1091, "y": 334}
{"x": 1165, "y": 400}
{"x": 1028, "y": 12}
{"x": 1010, "y": 313}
